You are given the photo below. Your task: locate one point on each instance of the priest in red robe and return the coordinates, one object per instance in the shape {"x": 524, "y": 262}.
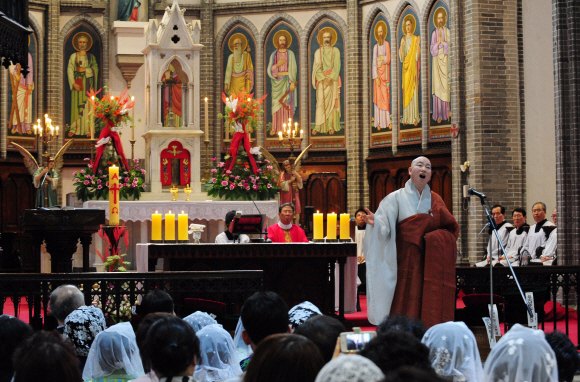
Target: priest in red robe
{"x": 284, "y": 231}
{"x": 410, "y": 250}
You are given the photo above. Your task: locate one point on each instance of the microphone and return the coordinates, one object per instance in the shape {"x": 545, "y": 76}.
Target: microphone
{"x": 484, "y": 227}
{"x": 472, "y": 191}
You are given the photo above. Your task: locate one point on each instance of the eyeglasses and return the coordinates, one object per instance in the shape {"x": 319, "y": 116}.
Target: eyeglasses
{"x": 554, "y": 216}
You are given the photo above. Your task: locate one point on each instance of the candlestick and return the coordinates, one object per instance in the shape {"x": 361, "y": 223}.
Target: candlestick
{"x": 318, "y": 226}
{"x": 133, "y": 118}
{"x": 169, "y": 226}
{"x": 114, "y": 195}
{"x": 331, "y": 226}
{"x": 182, "y": 220}
{"x": 156, "y": 226}
{"x": 206, "y": 121}
{"x": 280, "y": 136}
{"x": 301, "y": 133}
{"x": 344, "y": 226}
{"x": 92, "y": 123}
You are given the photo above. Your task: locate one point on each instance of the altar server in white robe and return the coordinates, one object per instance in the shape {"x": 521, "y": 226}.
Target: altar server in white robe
{"x": 536, "y": 236}
{"x": 227, "y": 237}
{"x": 549, "y": 253}
{"x": 517, "y": 238}
{"x": 493, "y": 248}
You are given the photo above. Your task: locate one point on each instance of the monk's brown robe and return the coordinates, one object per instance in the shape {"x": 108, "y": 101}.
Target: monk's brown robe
{"x": 426, "y": 254}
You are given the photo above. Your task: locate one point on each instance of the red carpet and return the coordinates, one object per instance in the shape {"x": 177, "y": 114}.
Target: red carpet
{"x": 360, "y": 319}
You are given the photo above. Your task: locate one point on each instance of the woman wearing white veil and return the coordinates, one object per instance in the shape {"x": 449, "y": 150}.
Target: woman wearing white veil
{"x": 114, "y": 355}
{"x": 218, "y": 360}
{"x": 522, "y": 354}
{"x": 453, "y": 352}
{"x": 199, "y": 320}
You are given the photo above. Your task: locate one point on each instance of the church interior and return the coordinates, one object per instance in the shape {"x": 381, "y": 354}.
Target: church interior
{"x": 349, "y": 92}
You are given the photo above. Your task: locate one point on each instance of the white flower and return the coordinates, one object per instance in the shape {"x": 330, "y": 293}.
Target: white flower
{"x": 233, "y": 104}
{"x": 255, "y": 150}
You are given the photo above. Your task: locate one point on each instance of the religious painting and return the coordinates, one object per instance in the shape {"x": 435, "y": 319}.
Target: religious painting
{"x": 326, "y": 63}
{"x": 380, "y": 82}
{"x": 439, "y": 73}
{"x": 175, "y": 165}
{"x": 128, "y": 10}
{"x": 409, "y": 56}
{"x": 239, "y": 75}
{"x": 172, "y": 93}
{"x": 82, "y": 73}
{"x": 22, "y": 99}
{"x": 281, "y": 65}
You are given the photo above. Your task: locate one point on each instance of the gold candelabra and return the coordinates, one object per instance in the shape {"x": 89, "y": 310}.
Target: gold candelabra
{"x": 206, "y": 174}
{"x": 45, "y": 135}
{"x": 290, "y": 136}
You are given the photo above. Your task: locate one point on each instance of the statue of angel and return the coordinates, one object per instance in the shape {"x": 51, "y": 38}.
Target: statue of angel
{"x": 289, "y": 180}
{"x": 45, "y": 178}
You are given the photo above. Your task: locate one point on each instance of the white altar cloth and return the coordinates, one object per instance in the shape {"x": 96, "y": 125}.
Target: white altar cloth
{"x": 205, "y": 210}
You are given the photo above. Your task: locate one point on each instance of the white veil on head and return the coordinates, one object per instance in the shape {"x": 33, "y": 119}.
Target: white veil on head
{"x": 199, "y": 320}
{"x": 522, "y": 354}
{"x": 113, "y": 350}
{"x": 350, "y": 368}
{"x": 300, "y": 313}
{"x": 219, "y": 361}
{"x": 453, "y": 352}
{"x": 242, "y": 350}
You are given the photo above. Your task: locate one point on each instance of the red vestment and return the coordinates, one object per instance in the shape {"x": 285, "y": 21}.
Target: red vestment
{"x": 426, "y": 254}
{"x": 278, "y": 235}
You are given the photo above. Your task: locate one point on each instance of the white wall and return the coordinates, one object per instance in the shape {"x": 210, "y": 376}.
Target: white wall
{"x": 539, "y": 104}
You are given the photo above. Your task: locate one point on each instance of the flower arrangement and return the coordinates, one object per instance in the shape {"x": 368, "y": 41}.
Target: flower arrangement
{"x": 91, "y": 186}
{"x": 240, "y": 183}
{"x": 110, "y": 307}
{"x": 111, "y": 108}
{"x": 112, "y": 257}
{"x": 242, "y": 110}
{"x": 239, "y": 177}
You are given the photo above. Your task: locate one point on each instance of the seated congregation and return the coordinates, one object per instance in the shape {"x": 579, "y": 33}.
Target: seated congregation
{"x": 271, "y": 343}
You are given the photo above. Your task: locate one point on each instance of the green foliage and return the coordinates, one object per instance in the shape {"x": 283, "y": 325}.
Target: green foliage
{"x": 91, "y": 186}
{"x": 240, "y": 183}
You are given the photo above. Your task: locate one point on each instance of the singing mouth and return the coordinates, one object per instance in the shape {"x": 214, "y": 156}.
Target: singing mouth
{"x": 422, "y": 176}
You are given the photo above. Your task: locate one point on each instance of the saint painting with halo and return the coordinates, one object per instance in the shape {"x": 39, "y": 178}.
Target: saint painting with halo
{"x": 283, "y": 72}
{"x": 239, "y": 74}
{"x": 82, "y": 73}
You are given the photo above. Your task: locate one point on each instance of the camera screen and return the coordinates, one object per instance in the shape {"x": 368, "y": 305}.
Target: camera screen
{"x": 356, "y": 341}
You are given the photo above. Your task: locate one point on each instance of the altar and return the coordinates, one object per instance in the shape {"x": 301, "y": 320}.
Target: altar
{"x": 137, "y": 217}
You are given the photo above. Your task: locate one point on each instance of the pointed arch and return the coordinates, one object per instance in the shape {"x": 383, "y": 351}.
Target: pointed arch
{"x": 183, "y": 64}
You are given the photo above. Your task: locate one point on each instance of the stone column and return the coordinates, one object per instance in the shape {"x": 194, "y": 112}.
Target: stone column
{"x": 566, "y": 28}
{"x": 353, "y": 94}
{"x": 207, "y": 73}
{"x": 493, "y": 129}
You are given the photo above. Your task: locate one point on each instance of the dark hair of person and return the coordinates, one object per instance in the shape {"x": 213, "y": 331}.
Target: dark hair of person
{"x": 540, "y": 203}
{"x": 263, "y": 314}
{"x": 502, "y": 208}
{"x": 403, "y": 323}
{"x": 156, "y": 301}
{"x": 141, "y": 336}
{"x": 12, "y": 332}
{"x": 46, "y": 356}
{"x": 360, "y": 210}
{"x": 396, "y": 348}
{"x": 286, "y": 205}
{"x": 566, "y": 355}
{"x": 285, "y": 358}
{"x": 324, "y": 332}
{"x": 171, "y": 346}
{"x": 65, "y": 299}
{"x": 229, "y": 217}
{"x": 412, "y": 374}
{"x": 520, "y": 210}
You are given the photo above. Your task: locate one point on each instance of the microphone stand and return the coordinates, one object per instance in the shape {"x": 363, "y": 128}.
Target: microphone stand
{"x": 483, "y": 201}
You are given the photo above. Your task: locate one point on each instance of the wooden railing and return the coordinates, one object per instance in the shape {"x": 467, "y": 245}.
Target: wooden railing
{"x": 229, "y": 287}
